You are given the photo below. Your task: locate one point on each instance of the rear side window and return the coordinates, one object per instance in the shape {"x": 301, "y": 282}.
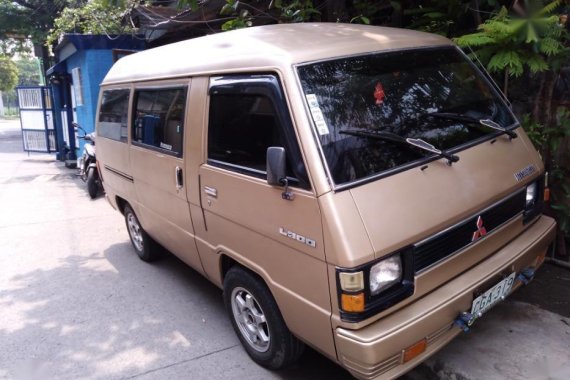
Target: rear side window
{"x": 158, "y": 121}
{"x": 113, "y": 115}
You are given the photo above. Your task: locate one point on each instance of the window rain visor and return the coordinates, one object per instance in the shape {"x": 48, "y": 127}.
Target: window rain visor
{"x": 395, "y": 92}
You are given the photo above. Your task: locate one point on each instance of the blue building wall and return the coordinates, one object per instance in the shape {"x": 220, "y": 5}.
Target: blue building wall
{"x": 94, "y": 65}
{"x": 93, "y": 55}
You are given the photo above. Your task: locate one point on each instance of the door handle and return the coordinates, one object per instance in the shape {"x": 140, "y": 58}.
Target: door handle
{"x": 211, "y": 191}
{"x": 178, "y": 177}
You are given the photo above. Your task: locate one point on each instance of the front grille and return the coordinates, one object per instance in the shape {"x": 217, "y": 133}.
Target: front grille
{"x": 446, "y": 243}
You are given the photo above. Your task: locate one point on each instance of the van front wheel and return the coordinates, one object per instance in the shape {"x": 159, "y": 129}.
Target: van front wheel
{"x": 144, "y": 246}
{"x": 257, "y": 321}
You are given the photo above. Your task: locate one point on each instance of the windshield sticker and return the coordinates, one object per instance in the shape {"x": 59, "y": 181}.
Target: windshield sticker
{"x": 317, "y": 114}
{"x": 379, "y": 94}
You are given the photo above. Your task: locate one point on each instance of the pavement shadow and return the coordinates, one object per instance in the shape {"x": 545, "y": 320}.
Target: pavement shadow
{"x": 78, "y": 319}
{"x": 109, "y": 315}
{"x": 311, "y": 366}
{"x": 11, "y": 141}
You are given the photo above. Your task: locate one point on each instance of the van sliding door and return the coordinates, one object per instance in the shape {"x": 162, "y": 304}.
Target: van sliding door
{"x": 157, "y": 158}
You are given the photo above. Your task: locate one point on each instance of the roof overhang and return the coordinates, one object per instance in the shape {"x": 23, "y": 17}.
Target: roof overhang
{"x": 58, "y": 68}
{"x": 72, "y": 43}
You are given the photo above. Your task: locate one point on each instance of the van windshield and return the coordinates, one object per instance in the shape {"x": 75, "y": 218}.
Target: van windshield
{"x": 435, "y": 95}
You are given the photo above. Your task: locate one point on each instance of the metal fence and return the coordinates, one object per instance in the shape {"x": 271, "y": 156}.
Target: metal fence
{"x": 36, "y": 118}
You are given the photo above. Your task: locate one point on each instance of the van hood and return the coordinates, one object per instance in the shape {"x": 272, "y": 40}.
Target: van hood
{"x": 408, "y": 207}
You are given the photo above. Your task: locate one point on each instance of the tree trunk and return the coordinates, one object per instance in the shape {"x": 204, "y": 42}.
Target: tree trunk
{"x": 475, "y": 12}
{"x": 1, "y": 105}
{"x": 506, "y": 83}
{"x": 549, "y": 100}
{"x": 536, "y": 114}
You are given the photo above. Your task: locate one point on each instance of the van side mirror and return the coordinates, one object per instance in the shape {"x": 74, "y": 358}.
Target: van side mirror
{"x": 276, "y": 175}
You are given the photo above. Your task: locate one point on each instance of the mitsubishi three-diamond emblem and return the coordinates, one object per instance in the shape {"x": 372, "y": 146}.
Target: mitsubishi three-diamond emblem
{"x": 481, "y": 230}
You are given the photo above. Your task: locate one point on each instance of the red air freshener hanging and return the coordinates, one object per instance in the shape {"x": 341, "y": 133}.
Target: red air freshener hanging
{"x": 379, "y": 93}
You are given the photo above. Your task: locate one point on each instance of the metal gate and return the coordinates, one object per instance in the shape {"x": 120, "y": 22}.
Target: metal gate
{"x": 36, "y": 119}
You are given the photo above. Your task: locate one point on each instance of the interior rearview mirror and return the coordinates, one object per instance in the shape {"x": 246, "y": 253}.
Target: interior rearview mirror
{"x": 276, "y": 166}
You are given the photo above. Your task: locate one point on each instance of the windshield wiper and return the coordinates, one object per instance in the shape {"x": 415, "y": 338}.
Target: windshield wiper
{"x": 392, "y": 137}
{"x": 469, "y": 119}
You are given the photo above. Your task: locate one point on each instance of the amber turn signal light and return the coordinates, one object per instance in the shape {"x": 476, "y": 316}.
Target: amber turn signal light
{"x": 414, "y": 350}
{"x": 352, "y": 302}
{"x": 540, "y": 259}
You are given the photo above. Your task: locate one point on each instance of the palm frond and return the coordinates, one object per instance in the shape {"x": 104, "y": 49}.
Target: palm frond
{"x": 536, "y": 64}
{"x": 506, "y": 59}
{"x": 475, "y": 39}
{"x": 549, "y": 8}
{"x": 549, "y": 46}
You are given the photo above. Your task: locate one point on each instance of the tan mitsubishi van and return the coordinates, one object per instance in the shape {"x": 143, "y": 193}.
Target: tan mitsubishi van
{"x": 363, "y": 190}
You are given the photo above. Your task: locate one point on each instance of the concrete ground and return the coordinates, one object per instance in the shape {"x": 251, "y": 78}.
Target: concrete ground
{"x": 76, "y": 302}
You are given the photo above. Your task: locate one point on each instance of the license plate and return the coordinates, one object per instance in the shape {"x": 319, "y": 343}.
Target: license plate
{"x": 492, "y": 296}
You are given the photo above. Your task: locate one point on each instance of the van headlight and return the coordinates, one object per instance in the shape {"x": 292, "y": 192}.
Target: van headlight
{"x": 534, "y": 201}
{"x": 385, "y": 274}
{"x": 531, "y": 195}
{"x": 370, "y": 288}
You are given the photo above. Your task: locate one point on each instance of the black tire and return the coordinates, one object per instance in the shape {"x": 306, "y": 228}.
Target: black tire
{"x": 282, "y": 348}
{"x": 93, "y": 183}
{"x": 145, "y": 247}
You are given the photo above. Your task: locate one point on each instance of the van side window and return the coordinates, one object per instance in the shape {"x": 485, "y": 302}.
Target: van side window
{"x": 158, "y": 120}
{"x": 248, "y": 113}
{"x": 241, "y": 130}
{"x": 113, "y": 115}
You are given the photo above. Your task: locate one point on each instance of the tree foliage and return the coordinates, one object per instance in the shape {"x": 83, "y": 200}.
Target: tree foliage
{"x": 28, "y": 71}
{"x": 439, "y": 16}
{"x": 282, "y": 11}
{"x": 29, "y": 19}
{"x": 8, "y": 74}
{"x": 507, "y": 42}
{"x": 94, "y": 17}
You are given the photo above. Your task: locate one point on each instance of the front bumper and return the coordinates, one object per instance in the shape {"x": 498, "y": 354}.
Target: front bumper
{"x": 376, "y": 351}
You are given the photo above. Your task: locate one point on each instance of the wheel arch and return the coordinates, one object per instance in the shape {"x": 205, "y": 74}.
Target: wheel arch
{"x": 292, "y": 307}
{"x": 121, "y": 203}
{"x": 227, "y": 262}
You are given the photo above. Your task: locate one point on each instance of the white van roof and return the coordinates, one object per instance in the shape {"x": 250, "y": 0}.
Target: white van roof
{"x": 270, "y": 46}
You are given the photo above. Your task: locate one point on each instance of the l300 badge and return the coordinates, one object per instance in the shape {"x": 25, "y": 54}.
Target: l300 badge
{"x": 300, "y": 238}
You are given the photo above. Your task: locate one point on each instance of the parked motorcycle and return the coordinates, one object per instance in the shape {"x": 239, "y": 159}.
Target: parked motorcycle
{"x": 88, "y": 163}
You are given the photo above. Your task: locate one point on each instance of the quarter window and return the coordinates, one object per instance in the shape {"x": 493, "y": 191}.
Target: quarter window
{"x": 159, "y": 119}
{"x": 113, "y": 115}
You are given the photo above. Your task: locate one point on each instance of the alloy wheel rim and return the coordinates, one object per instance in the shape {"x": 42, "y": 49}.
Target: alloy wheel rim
{"x": 250, "y": 319}
{"x": 135, "y": 231}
